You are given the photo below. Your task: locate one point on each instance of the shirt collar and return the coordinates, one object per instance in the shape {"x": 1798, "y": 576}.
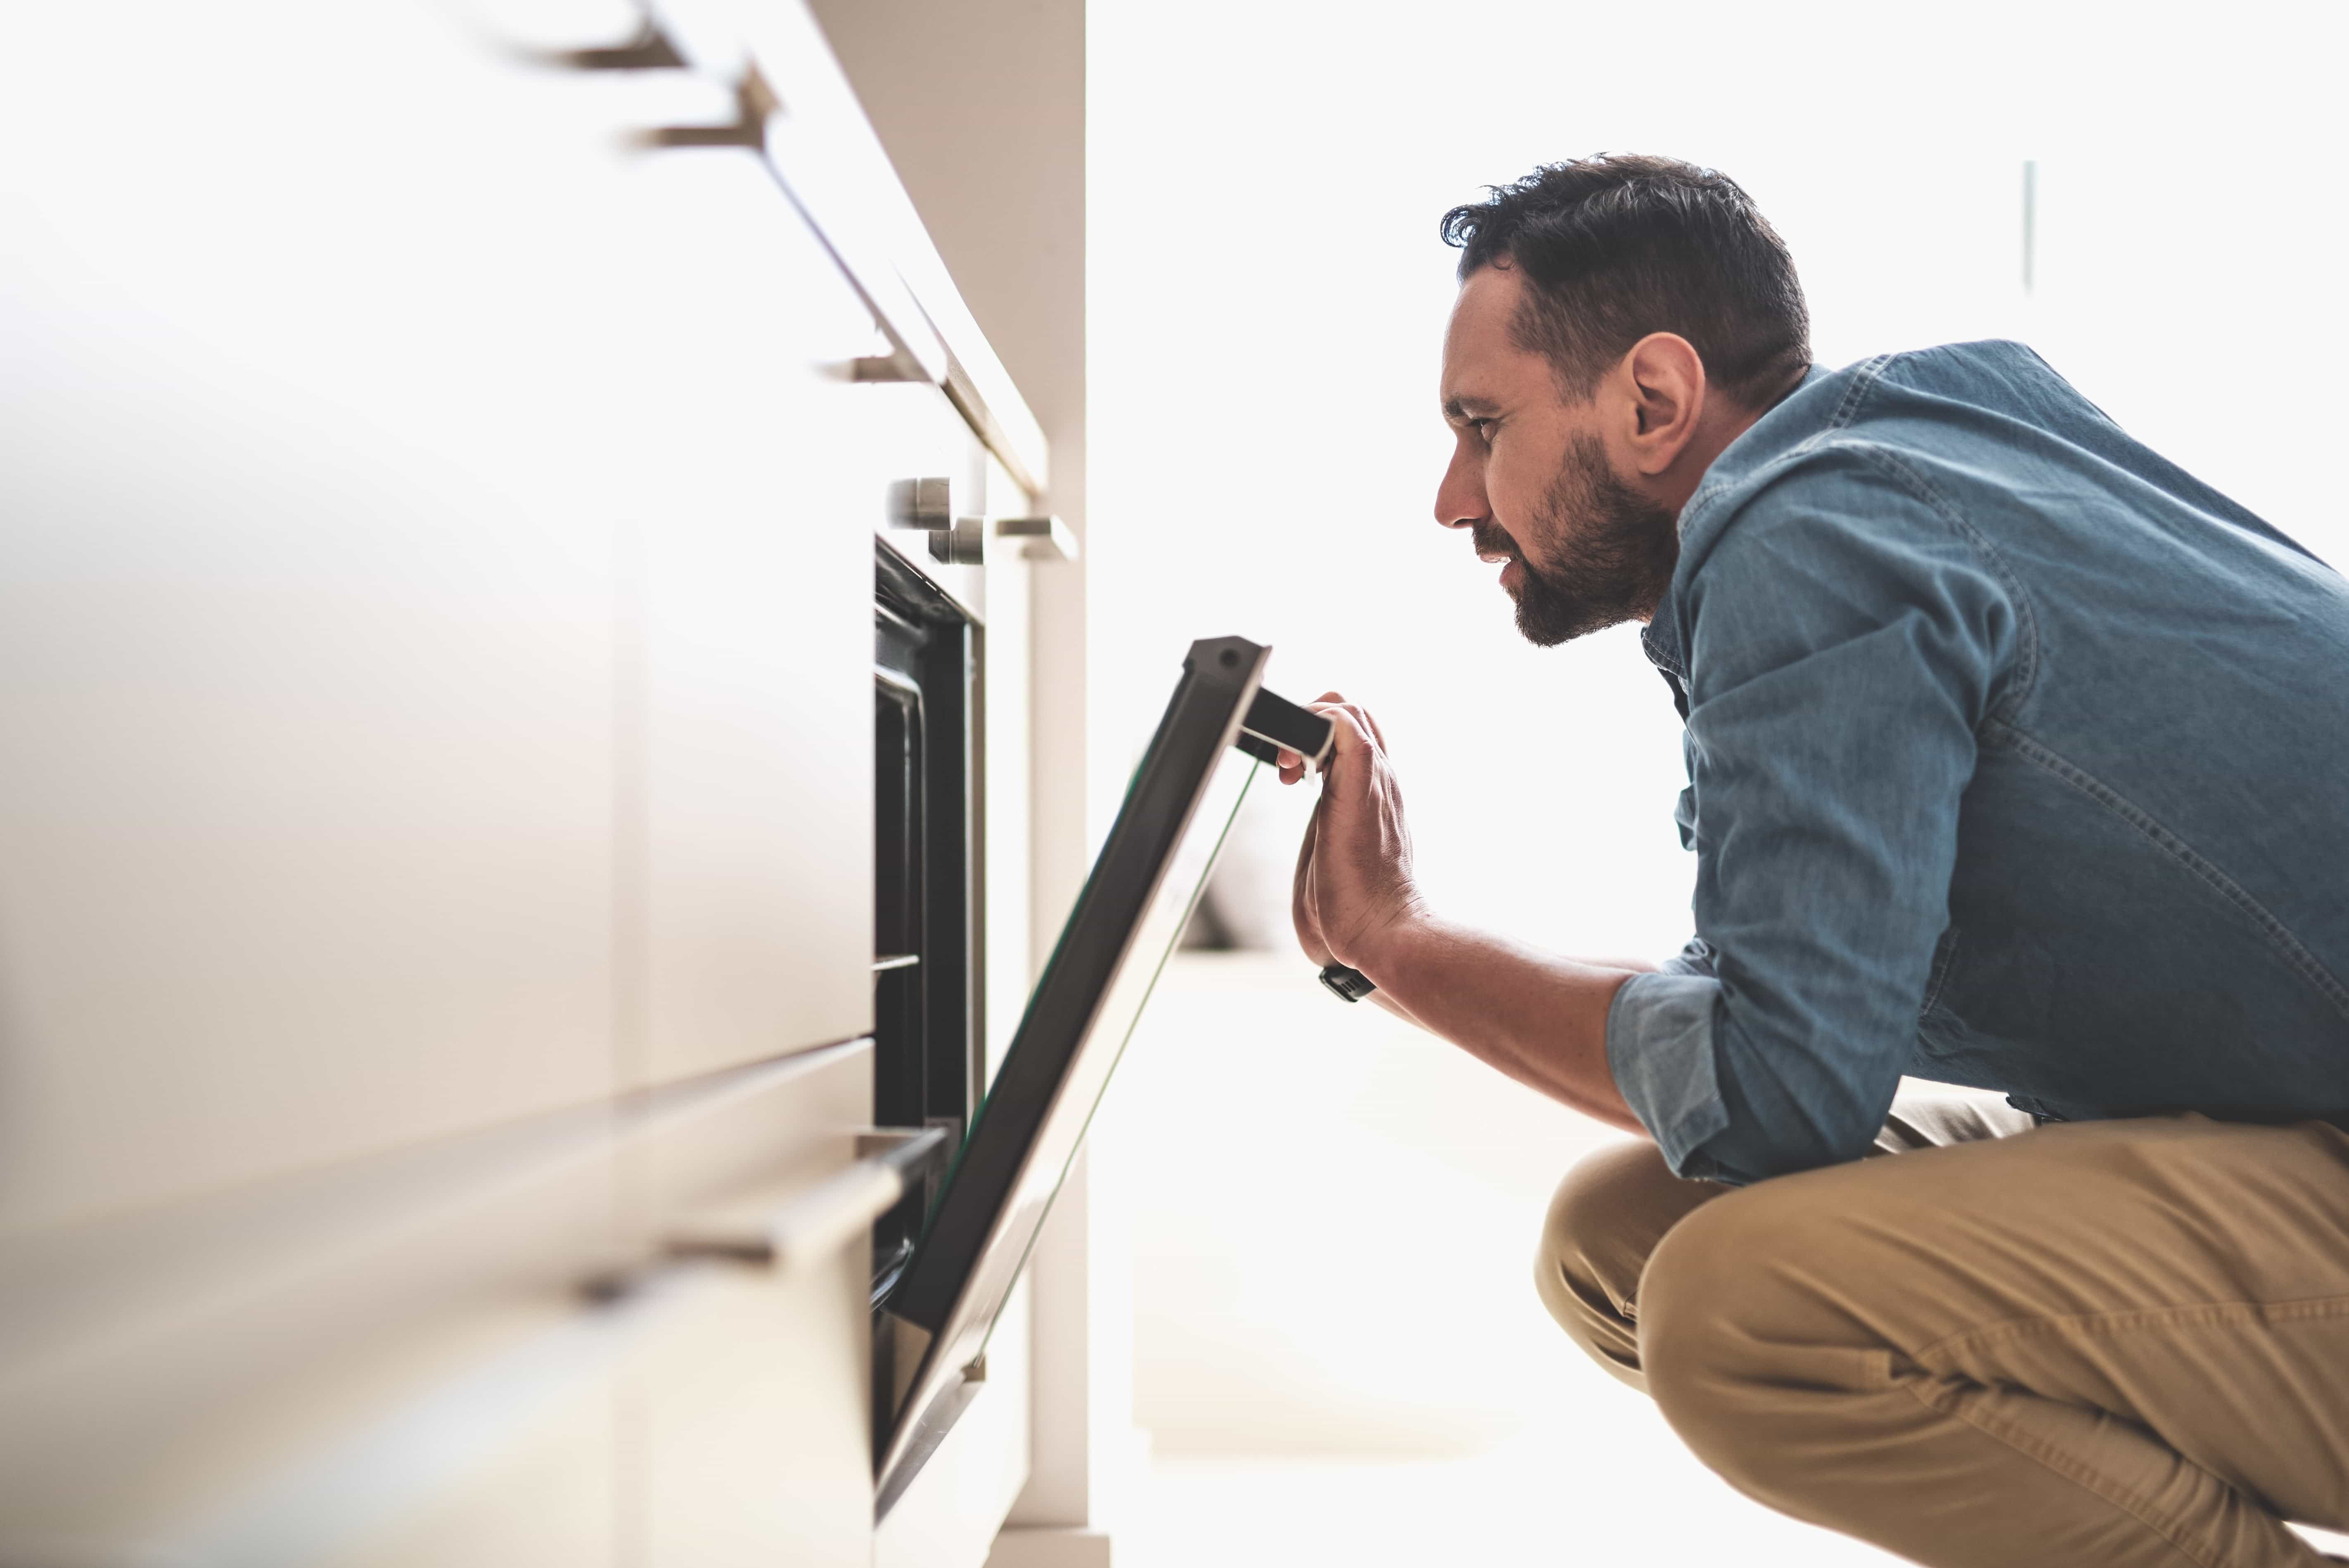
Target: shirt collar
{"x": 1660, "y": 640}
{"x": 1660, "y": 637}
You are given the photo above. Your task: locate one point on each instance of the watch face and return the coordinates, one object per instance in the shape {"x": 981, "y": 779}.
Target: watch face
{"x": 1127, "y": 921}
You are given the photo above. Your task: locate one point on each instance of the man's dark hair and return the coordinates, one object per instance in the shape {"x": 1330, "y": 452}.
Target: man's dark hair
{"x": 1619, "y": 245}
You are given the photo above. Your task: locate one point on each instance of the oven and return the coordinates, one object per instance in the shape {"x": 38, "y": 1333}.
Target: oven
{"x": 928, "y": 869}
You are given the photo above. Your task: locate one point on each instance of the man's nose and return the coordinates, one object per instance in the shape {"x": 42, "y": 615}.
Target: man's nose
{"x": 1460, "y": 498}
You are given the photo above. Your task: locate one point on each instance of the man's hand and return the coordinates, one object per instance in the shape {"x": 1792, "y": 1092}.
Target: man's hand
{"x": 1539, "y": 1018}
{"x": 1354, "y": 888}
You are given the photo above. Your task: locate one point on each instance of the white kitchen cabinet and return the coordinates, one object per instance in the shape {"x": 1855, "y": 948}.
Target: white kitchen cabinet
{"x": 436, "y": 796}
{"x": 744, "y": 818}
{"x": 747, "y": 1410}
{"x": 308, "y": 595}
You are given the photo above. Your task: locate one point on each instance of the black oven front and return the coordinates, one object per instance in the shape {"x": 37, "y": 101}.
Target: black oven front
{"x": 928, "y": 998}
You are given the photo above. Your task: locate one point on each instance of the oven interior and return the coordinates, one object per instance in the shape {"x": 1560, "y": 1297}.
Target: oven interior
{"x": 928, "y": 1001}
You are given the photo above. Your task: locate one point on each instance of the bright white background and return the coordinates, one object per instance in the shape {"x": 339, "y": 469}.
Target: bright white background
{"x": 1333, "y": 1219}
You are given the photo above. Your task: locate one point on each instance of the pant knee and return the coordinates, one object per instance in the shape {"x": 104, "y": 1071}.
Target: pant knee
{"x": 1735, "y": 1341}
{"x": 1604, "y": 1221}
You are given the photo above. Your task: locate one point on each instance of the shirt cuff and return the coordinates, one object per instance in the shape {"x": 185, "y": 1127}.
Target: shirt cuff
{"x": 1659, "y": 1049}
{"x": 1696, "y": 958}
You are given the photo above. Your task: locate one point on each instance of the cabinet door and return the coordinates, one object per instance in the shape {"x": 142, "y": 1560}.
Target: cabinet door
{"x": 747, "y": 1408}
{"x": 748, "y": 805}
{"x": 309, "y": 589}
{"x": 752, "y": 1443}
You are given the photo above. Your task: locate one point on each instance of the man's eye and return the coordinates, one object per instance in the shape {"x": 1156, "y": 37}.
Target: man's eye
{"x": 1484, "y": 428}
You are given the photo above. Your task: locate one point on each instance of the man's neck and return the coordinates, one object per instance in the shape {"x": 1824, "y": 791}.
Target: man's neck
{"x": 1723, "y": 420}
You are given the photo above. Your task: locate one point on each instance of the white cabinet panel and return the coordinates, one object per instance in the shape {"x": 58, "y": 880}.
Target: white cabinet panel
{"x": 752, "y": 699}
{"x": 432, "y": 612}
{"x": 272, "y": 1374}
{"x": 746, "y": 1409}
{"x": 750, "y": 1421}
{"x": 547, "y": 1499}
{"x": 307, "y": 592}
{"x": 392, "y": 1364}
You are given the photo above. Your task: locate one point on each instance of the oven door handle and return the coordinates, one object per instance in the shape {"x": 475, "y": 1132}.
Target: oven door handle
{"x": 823, "y": 1219}
{"x": 1274, "y": 725}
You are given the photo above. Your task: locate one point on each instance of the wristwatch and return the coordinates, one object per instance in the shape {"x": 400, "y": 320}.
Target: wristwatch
{"x": 1350, "y": 984}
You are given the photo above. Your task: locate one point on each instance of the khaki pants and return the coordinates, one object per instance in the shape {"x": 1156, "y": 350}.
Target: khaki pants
{"x": 2100, "y": 1344}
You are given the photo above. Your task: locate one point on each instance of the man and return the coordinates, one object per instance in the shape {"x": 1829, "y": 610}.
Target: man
{"x": 2018, "y": 760}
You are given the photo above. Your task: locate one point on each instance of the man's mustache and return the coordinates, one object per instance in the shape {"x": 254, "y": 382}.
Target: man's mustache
{"x": 1491, "y": 539}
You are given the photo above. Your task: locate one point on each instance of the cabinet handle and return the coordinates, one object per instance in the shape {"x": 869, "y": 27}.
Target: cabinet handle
{"x": 649, "y": 50}
{"x": 930, "y": 506}
{"x": 822, "y": 1220}
{"x": 1039, "y": 538}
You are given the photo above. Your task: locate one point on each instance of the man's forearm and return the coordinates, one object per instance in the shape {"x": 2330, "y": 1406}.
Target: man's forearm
{"x": 1539, "y": 1018}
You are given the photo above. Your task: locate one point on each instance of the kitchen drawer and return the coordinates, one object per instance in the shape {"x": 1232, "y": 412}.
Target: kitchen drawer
{"x": 747, "y": 1414}
{"x": 394, "y": 1361}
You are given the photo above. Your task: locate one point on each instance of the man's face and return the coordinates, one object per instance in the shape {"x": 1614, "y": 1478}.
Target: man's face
{"x": 1531, "y": 480}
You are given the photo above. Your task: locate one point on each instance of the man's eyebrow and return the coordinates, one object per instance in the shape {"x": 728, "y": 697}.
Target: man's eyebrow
{"x": 1456, "y": 410}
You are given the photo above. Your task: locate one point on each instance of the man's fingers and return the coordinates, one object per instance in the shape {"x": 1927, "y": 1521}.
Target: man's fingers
{"x": 1350, "y": 726}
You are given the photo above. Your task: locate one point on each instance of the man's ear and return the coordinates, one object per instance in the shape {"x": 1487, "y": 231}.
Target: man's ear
{"x": 1665, "y": 390}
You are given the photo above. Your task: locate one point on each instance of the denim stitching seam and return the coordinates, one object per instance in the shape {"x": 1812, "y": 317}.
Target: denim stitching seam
{"x": 2278, "y": 936}
{"x": 1916, "y": 484}
{"x": 1863, "y": 382}
{"x": 1944, "y": 959}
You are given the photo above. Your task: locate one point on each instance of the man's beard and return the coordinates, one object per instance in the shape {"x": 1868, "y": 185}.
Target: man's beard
{"x": 1613, "y": 552}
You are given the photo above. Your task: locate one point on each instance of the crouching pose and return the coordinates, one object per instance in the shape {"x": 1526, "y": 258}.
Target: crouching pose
{"x": 2018, "y": 761}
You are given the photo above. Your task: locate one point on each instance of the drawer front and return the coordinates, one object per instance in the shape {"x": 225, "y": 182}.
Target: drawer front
{"x": 746, "y": 1406}
{"x": 747, "y": 1414}
{"x": 393, "y": 1362}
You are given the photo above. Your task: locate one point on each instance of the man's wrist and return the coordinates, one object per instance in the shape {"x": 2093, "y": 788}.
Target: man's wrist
{"x": 1379, "y": 953}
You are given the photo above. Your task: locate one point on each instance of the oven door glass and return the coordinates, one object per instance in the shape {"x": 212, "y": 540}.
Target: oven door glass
{"x": 1127, "y": 921}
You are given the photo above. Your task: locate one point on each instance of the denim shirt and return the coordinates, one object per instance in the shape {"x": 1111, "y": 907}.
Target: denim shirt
{"x": 2018, "y": 758}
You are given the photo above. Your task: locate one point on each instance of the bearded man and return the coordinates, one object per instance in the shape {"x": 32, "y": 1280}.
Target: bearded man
{"x": 2019, "y": 761}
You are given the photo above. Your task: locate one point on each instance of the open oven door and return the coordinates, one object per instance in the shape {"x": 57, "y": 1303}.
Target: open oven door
{"x": 1029, "y": 1129}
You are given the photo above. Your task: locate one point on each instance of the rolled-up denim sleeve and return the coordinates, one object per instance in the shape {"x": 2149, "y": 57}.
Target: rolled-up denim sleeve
{"x": 1846, "y": 635}
{"x": 1659, "y": 1049}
